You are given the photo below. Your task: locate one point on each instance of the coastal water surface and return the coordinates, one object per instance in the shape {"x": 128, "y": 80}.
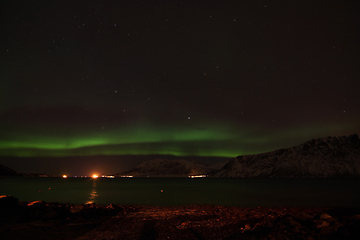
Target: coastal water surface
{"x": 184, "y": 191}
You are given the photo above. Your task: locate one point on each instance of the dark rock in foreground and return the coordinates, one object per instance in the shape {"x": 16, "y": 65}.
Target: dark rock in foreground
{"x": 324, "y": 157}
{"x": 40, "y": 220}
{"x": 13, "y": 211}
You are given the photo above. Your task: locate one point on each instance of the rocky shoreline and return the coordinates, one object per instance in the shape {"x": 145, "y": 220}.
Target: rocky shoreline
{"x": 41, "y": 220}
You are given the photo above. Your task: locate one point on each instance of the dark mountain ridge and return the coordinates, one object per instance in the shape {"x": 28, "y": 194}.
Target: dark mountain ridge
{"x": 5, "y": 171}
{"x": 167, "y": 168}
{"x": 323, "y": 157}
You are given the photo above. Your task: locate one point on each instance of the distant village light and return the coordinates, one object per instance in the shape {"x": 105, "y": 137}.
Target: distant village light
{"x": 64, "y": 176}
{"x": 198, "y": 176}
{"x": 107, "y": 176}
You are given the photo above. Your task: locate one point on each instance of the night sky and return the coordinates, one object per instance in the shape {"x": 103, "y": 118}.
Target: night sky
{"x": 181, "y": 78}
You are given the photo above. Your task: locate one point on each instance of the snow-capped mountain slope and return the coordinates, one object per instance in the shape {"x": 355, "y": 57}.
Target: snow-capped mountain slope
{"x": 324, "y": 157}
{"x": 168, "y": 168}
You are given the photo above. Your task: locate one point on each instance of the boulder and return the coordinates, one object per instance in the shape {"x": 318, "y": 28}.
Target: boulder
{"x": 8, "y": 201}
{"x": 322, "y": 224}
{"x": 247, "y": 227}
{"x": 9, "y": 207}
{"x": 325, "y": 216}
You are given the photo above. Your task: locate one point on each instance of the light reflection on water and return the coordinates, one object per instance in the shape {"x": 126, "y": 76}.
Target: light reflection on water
{"x": 93, "y": 194}
{"x": 172, "y": 191}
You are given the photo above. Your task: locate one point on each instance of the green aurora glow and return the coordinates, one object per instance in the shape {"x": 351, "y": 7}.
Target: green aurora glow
{"x": 211, "y": 141}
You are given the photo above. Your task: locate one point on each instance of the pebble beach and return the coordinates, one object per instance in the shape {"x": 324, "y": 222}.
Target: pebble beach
{"x": 42, "y": 220}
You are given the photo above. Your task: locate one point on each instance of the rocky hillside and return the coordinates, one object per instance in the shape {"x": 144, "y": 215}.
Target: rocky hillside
{"x": 167, "y": 168}
{"x": 324, "y": 157}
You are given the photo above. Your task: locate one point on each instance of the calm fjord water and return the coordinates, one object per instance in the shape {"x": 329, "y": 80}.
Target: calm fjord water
{"x": 184, "y": 191}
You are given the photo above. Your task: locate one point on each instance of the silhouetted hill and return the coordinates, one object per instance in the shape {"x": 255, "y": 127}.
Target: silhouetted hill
{"x": 168, "y": 168}
{"x": 323, "y": 157}
{"x": 5, "y": 171}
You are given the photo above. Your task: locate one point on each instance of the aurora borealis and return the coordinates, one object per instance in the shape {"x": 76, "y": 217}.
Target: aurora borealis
{"x": 181, "y": 141}
{"x": 181, "y": 78}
